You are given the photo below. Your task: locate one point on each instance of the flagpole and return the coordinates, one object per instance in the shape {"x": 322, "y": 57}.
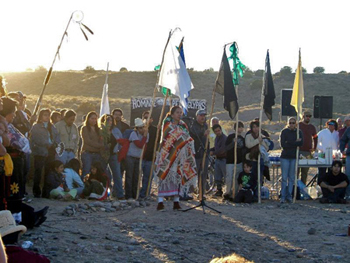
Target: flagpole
{"x": 235, "y": 153}
{"x": 296, "y": 162}
{"x": 160, "y": 118}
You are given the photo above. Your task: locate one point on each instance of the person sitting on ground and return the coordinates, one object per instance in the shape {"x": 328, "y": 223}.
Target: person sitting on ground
{"x": 334, "y": 185}
{"x": 56, "y": 184}
{"x": 73, "y": 179}
{"x": 247, "y": 184}
{"x": 96, "y": 182}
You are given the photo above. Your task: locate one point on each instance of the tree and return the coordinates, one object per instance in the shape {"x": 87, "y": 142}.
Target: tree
{"x": 304, "y": 70}
{"x": 123, "y": 69}
{"x": 285, "y": 71}
{"x": 256, "y": 84}
{"x": 342, "y": 72}
{"x": 89, "y": 69}
{"x": 319, "y": 70}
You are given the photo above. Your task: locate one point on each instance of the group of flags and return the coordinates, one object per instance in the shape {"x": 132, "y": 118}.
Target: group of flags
{"x": 174, "y": 79}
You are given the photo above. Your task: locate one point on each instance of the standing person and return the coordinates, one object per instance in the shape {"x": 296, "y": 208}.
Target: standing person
{"x": 219, "y": 151}
{"x": 44, "y": 138}
{"x": 230, "y": 159}
{"x": 345, "y": 140}
{"x": 289, "y": 144}
{"x": 17, "y": 147}
{"x": 310, "y": 142}
{"x": 175, "y": 164}
{"x": 345, "y": 126}
{"x": 327, "y": 138}
{"x": 148, "y": 155}
{"x": 340, "y": 124}
{"x": 69, "y": 135}
{"x": 138, "y": 138}
{"x": 114, "y": 163}
{"x": 80, "y": 143}
{"x": 119, "y": 120}
{"x": 212, "y": 136}
{"x": 199, "y": 132}
{"x": 55, "y": 117}
{"x": 92, "y": 143}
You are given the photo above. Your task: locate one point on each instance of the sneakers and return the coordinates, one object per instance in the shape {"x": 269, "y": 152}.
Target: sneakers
{"x": 324, "y": 200}
{"x": 176, "y": 206}
{"x": 218, "y": 193}
{"x": 160, "y": 206}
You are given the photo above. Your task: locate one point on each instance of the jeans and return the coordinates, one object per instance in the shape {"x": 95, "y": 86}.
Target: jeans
{"x": 39, "y": 163}
{"x": 66, "y": 157}
{"x": 347, "y": 172}
{"x": 333, "y": 197}
{"x": 146, "y": 170}
{"x": 220, "y": 172}
{"x": 114, "y": 164}
{"x": 288, "y": 174}
{"x": 229, "y": 177}
{"x": 132, "y": 176}
{"x": 88, "y": 159}
{"x": 203, "y": 175}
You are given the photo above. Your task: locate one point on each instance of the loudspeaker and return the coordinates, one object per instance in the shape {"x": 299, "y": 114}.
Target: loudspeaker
{"x": 287, "y": 109}
{"x": 323, "y": 107}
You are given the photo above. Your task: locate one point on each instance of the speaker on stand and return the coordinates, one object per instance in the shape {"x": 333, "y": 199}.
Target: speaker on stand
{"x": 323, "y": 108}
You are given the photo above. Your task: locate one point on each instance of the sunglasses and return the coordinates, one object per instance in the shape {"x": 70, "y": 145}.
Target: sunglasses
{"x": 292, "y": 123}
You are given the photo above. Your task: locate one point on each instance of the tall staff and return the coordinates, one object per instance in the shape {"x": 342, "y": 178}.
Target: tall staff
{"x": 267, "y": 101}
{"x": 76, "y": 16}
{"x": 297, "y": 101}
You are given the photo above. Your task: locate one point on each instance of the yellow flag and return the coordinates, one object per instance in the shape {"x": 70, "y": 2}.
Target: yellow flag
{"x": 298, "y": 89}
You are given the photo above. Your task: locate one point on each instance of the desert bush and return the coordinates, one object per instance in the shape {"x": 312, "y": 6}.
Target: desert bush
{"x": 319, "y": 70}
{"x": 256, "y": 84}
{"x": 342, "y": 72}
{"x": 123, "y": 69}
{"x": 208, "y": 70}
{"x": 89, "y": 69}
{"x": 40, "y": 69}
{"x": 304, "y": 70}
{"x": 259, "y": 73}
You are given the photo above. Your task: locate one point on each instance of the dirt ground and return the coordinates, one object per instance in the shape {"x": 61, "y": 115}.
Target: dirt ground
{"x": 306, "y": 231}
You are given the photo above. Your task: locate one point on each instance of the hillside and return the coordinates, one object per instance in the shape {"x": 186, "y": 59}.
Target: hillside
{"x": 82, "y": 91}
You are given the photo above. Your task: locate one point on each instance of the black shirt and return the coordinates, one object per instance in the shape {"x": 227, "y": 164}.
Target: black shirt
{"x": 230, "y": 148}
{"x": 333, "y": 180}
{"x": 247, "y": 180}
{"x": 148, "y": 155}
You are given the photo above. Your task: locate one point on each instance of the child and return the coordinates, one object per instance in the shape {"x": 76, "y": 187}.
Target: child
{"x": 247, "y": 184}
{"x": 72, "y": 177}
{"x": 96, "y": 182}
{"x": 55, "y": 183}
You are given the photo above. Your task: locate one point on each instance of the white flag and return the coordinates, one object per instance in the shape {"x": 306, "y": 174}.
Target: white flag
{"x": 173, "y": 74}
{"x": 104, "y": 101}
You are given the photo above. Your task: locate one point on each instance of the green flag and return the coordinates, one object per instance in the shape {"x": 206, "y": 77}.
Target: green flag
{"x": 238, "y": 66}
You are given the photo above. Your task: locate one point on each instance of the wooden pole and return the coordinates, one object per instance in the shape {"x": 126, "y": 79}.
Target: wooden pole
{"x": 235, "y": 154}
{"x": 296, "y": 163}
{"x": 260, "y": 124}
{"x": 155, "y": 144}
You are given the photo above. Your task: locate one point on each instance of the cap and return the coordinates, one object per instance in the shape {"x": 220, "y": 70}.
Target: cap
{"x": 8, "y": 224}
{"x": 201, "y": 112}
{"x": 139, "y": 122}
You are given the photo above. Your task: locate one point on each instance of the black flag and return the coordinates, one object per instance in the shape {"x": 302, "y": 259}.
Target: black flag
{"x": 268, "y": 89}
{"x": 224, "y": 86}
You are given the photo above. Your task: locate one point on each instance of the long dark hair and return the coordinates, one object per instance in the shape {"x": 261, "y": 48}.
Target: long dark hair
{"x": 49, "y": 124}
{"x": 74, "y": 164}
{"x": 55, "y": 164}
{"x": 172, "y": 110}
{"x": 99, "y": 169}
{"x": 86, "y": 123}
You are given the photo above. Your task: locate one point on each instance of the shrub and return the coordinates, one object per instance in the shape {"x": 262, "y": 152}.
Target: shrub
{"x": 89, "y": 69}
{"x": 86, "y": 107}
{"x": 259, "y": 72}
{"x": 123, "y": 69}
{"x": 319, "y": 70}
{"x": 342, "y": 72}
{"x": 285, "y": 71}
{"x": 40, "y": 69}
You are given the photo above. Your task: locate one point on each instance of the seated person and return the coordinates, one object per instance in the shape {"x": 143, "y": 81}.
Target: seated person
{"x": 334, "y": 185}
{"x": 55, "y": 183}
{"x": 247, "y": 184}
{"x": 96, "y": 183}
{"x": 72, "y": 176}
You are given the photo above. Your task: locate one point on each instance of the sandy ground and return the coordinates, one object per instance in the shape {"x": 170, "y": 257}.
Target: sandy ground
{"x": 306, "y": 231}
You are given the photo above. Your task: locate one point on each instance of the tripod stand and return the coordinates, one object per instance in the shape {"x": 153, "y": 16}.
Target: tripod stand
{"x": 201, "y": 193}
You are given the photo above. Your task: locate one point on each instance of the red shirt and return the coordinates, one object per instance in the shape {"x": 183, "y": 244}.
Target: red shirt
{"x": 309, "y": 135}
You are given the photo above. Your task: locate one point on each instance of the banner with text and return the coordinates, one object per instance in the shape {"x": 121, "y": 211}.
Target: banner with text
{"x": 141, "y": 104}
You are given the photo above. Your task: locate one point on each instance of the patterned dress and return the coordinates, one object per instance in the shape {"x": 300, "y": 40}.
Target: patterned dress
{"x": 175, "y": 163}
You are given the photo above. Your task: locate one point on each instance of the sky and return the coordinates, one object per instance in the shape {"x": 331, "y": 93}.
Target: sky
{"x": 133, "y": 33}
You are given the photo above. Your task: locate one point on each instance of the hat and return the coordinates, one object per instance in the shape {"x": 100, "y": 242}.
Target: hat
{"x": 21, "y": 95}
{"x": 8, "y": 224}
{"x": 307, "y": 113}
{"x": 201, "y": 112}
{"x": 331, "y": 123}
{"x": 139, "y": 122}
{"x": 347, "y": 118}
